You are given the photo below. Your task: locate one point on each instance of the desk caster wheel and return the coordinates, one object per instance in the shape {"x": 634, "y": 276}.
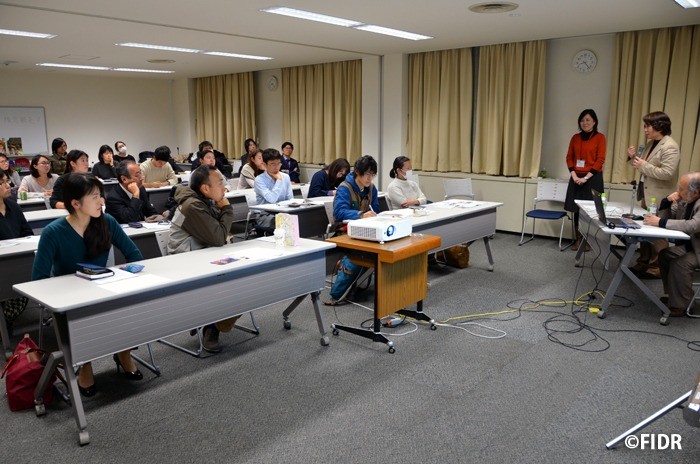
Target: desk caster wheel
{"x": 601, "y": 314}
{"x": 664, "y": 320}
{"x": 83, "y": 438}
{"x": 287, "y": 324}
{"x": 335, "y": 331}
{"x": 325, "y": 341}
{"x": 392, "y": 350}
{"x": 433, "y": 326}
{"x": 491, "y": 268}
{"x": 40, "y": 409}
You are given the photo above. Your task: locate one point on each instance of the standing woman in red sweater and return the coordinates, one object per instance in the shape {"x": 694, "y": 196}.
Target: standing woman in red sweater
{"x": 585, "y": 160}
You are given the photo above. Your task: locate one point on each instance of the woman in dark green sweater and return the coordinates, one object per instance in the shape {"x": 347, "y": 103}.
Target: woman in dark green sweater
{"x": 86, "y": 235}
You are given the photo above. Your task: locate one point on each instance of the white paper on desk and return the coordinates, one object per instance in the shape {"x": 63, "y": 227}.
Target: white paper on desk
{"x": 139, "y": 282}
{"x": 8, "y": 243}
{"x": 155, "y": 225}
{"x": 400, "y": 213}
{"x": 448, "y": 204}
{"x": 256, "y": 253}
{"x": 118, "y": 275}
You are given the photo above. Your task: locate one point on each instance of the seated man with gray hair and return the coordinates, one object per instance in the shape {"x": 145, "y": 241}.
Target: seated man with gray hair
{"x": 680, "y": 211}
{"x": 129, "y": 202}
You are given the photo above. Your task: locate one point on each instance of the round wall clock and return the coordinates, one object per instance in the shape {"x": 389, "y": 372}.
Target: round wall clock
{"x": 272, "y": 83}
{"x": 585, "y": 61}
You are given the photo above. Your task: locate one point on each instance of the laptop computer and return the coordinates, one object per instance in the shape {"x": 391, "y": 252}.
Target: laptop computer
{"x": 624, "y": 223}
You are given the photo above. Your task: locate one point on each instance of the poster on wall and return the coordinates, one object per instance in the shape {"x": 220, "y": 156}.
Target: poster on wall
{"x": 23, "y": 130}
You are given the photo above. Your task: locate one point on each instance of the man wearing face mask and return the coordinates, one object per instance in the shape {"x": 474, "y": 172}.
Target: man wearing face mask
{"x": 402, "y": 191}
{"x": 680, "y": 211}
{"x": 121, "y": 154}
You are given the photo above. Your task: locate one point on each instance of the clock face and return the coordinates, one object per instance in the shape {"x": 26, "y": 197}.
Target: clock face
{"x": 272, "y": 83}
{"x": 585, "y": 61}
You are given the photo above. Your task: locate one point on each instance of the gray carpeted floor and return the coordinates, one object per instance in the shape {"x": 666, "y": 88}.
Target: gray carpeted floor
{"x": 444, "y": 396}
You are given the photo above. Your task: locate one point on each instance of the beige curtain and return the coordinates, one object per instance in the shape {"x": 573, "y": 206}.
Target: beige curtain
{"x": 322, "y": 111}
{"x": 655, "y": 70}
{"x": 510, "y": 109}
{"x": 226, "y": 111}
{"x": 440, "y": 110}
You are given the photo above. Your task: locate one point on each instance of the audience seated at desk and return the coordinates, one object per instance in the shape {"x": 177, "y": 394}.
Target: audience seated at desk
{"x": 129, "y": 201}
{"x": 40, "y": 181}
{"x": 86, "y": 235}
{"x": 252, "y": 169}
{"x": 221, "y": 159}
{"x": 59, "y": 148}
{"x": 271, "y": 186}
{"x": 206, "y": 158}
{"x": 105, "y": 168}
{"x": 356, "y": 196}
{"x": 658, "y": 170}
{"x": 249, "y": 147}
{"x": 121, "y": 153}
{"x": 11, "y": 174}
{"x": 12, "y": 225}
{"x": 325, "y": 182}
{"x": 203, "y": 219}
{"x": 680, "y": 211}
{"x": 76, "y": 161}
{"x": 156, "y": 171}
{"x": 290, "y": 166}
{"x": 402, "y": 191}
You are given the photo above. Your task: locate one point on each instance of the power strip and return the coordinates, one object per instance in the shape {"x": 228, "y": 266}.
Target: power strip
{"x": 393, "y": 321}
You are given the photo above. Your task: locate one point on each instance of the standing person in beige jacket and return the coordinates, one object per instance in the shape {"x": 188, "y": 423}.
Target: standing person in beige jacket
{"x": 658, "y": 169}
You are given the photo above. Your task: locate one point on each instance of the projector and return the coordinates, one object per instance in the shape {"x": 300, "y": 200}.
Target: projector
{"x": 380, "y": 229}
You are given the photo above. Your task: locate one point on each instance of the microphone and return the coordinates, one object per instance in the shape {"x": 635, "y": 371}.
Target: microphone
{"x": 640, "y": 150}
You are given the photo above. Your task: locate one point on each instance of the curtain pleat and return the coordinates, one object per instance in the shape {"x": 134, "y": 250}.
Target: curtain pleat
{"x": 322, "y": 111}
{"x": 225, "y": 107}
{"x": 655, "y": 70}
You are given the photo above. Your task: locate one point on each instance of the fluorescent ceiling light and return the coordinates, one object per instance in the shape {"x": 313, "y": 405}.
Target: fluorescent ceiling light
{"x": 393, "y": 32}
{"x": 301, "y": 14}
{"x": 689, "y": 3}
{"x": 238, "y": 55}
{"x": 158, "y": 47}
{"x": 74, "y": 66}
{"x": 156, "y": 71}
{"x": 36, "y": 35}
{"x": 102, "y": 68}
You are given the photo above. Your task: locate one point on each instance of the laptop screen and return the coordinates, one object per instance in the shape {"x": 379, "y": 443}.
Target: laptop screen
{"x": 599, "y": 206}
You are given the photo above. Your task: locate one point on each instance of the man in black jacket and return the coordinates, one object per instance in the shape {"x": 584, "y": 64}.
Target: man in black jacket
{"x": 129, "y": 201}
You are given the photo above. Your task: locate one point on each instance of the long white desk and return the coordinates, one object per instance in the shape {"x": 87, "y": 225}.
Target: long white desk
{"x": 459, "y": 221}
{"x": 33, "y": 204}
{"x": 17, "y": 259}
{"x": 93, "y": 320}
{"x": 598, "y": 234}
{"x": 39, "y": 219}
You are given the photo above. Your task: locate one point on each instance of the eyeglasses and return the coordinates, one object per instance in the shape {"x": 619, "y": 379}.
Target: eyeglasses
{"x": 370, "y": 175}
{"x": 4, "y": 161}
{"x": 6, "y": 182}
{"x": 45, "y": 163}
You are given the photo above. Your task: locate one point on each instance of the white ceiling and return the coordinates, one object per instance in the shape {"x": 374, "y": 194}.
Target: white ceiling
{"x": 88, "y": 29}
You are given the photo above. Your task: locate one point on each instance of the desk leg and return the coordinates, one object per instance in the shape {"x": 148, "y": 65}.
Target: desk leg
{"x": 51, "y": 364}
{"x": 624, "y": 270}
{"x": 488, "y": 253}
{"x": 5, "y": 334}
{"x": 319, "y": 315}
{"x": 418, "y": 314}
{"x": 375, "y": 335}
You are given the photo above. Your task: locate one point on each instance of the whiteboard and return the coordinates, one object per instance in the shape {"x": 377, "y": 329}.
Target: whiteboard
{"x": 28, "y": 123}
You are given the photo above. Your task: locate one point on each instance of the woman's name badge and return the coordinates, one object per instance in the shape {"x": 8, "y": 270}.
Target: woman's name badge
{"x": 580, "y": 163}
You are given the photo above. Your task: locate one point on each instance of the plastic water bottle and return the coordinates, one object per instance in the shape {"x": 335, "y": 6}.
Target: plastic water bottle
{"x": 604, "y": 199}
{"x": 652, "y": 207}
{"x": 279, "y": 237}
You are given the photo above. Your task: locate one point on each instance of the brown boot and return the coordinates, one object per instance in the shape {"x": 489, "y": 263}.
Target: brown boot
{"x": 577, "y": 243}
{"x": 227, "y": 324}
{"x": 586, "y": 246}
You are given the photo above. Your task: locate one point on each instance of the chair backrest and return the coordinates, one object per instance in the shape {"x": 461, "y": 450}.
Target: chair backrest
{"x": 305, "y": 190}
{"x": 383, "y": 204}
{"x": 297, "y": 193}
{"x": 458, "y": 188}
{"x": 329, "y": 211}
{"x": 551, "y": 191}
{"x": 162, "y": 237}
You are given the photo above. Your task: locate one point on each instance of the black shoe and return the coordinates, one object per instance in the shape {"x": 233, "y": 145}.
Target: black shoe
{"x": 210, "y": 339}
{"x": 87, "y": 391}
{"x": 136, "y": 375}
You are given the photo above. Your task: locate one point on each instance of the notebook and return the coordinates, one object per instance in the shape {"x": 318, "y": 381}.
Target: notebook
{"x": 624, "y": 223}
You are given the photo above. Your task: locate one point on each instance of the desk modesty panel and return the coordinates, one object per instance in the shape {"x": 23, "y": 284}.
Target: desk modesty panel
{"x": 182, "y": 292}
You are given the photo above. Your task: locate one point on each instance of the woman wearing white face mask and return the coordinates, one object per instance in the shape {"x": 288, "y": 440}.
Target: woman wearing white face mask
{"x": 121, "y": 154}
{"x": 402, "y": 191}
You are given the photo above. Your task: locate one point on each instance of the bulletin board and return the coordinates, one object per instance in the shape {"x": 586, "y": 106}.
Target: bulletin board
{"x": 23, "y": 129}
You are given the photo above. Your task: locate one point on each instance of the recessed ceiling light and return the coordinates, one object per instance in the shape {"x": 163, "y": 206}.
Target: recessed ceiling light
{"x": 393, "y": 32}
{"x": 311, "y": 16}
{"x": 238, "y": 55}
{"x": 158, "y": 47}
{"x": 689, "y": 3}
{"x": 74, "y": 66}
{"x": 155, "y": 71}
{"x": 159, "y": 61}
{"x": 493, "y": 7}
{"x": 36, "y": 35}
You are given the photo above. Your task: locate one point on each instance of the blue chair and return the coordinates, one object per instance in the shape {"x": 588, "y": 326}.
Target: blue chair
{"x": 553, "y": 192}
